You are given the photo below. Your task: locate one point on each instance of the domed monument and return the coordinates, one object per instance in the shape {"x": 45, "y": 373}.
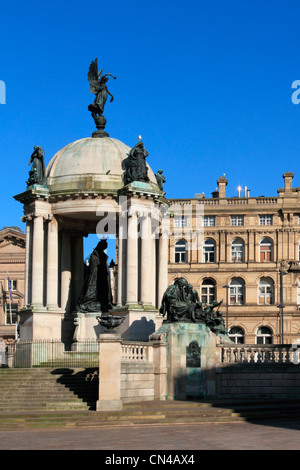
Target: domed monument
{"x": 94, "y": 185}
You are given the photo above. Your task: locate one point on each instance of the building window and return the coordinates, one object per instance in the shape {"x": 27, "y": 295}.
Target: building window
{"x": 11, "y": 313}
{"x": 180, "y": 221}
{"x": 237, "y": 292}
{"x": 209, "y": 249}
{"x": 236, "y": 220}
{"x": 237, "y": 251}
{"x": 13, "y": 283}
{"x": 209, "y": 221}
{"x": 265, "y": 220}
{"x": 181, "y": 252}
{"x": 208, "y": 291}
{"x": 265, "y": 250}
{"x": 237, "y": 335}
{"x": 264, "y": 335}
{"x": 266, "y": 292}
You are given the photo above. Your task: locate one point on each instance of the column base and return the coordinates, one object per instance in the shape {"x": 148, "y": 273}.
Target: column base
{"x": 109, "y": 405}
{"x": 38, "y": 323}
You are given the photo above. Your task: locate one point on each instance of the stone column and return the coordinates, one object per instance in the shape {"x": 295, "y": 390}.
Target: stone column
{"x": 162, "y": 265}
{"x": 78, "y": 272}
{"x": 121, "y": 275}
{"x": 37, "y": 261}
{"x": 52, "y": 265}
{"x": 66, "y": 271}
{"x": 132, "y": 262}
{"x": 28, "y": 266}
{"x": 154, "y": 273}
{"x": 222, "y": 246}
{"x": 147, "y": 261}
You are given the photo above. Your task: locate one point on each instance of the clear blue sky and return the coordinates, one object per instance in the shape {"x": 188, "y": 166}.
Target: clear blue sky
{"x": 207, "y": 85}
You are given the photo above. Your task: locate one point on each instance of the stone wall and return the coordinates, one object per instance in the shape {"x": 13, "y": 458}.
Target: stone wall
{"x": 137, "y": 382}
{"x": 258, "y": 381}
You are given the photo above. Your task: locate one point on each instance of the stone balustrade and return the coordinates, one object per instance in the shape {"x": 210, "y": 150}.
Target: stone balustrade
{"x": 136, "y": 352}
{"x": 259, "y": 354}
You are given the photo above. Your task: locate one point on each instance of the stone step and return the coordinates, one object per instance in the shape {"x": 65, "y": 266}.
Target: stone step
{"x": 145, "y": 414}
{"x": 42, "y": 389}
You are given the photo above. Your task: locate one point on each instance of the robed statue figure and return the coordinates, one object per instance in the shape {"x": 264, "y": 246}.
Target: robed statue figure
{"x": 136, "y": 167}
{"x": 96, "y": 295}
{"x": 37, "y": 174}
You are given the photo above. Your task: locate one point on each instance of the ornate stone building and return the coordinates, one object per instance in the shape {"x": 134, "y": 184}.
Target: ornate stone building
{"x": 12, "y": 267}
{"x": 244, "y": 250}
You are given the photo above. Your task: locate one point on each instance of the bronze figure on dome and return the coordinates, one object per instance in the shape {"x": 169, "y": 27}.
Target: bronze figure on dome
{"x": 98, "y": 87}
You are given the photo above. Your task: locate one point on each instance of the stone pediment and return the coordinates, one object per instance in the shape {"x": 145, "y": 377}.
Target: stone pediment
{"x": 12, "y": 236}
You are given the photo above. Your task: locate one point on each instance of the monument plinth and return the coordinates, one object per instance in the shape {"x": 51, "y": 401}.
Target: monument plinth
{"x": 191, "y": 332}
{"x": 191, "y": 359}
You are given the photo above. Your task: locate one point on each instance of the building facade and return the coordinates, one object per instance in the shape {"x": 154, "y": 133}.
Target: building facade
{"x": 12, "y": 270}
{"x": 246, "y": 251}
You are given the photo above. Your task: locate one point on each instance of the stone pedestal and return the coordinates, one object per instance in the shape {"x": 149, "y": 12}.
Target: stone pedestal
{"x": 40, "y": 324}
{"x": 139, "y": 324}
{"x": 87, "y": 326}
{"x": 191, "y": 359}
{"x": 109, "y": 372}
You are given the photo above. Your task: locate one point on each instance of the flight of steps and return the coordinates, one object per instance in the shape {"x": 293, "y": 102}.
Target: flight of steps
{"x": 47, "y": 389}
{"x": 63, "y": 398}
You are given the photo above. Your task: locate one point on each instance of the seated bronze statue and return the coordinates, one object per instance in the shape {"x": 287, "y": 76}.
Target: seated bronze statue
{"x": 181, "y": 303}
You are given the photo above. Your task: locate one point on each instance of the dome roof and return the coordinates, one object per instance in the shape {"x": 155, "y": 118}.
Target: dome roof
{"x": 90, "y": 164}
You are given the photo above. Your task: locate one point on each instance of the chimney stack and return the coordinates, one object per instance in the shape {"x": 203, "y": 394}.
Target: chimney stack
{"x": 288, "y": 181}
{"x": 222, "y": 183}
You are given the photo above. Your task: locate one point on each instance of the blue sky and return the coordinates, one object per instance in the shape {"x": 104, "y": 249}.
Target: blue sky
{"x": 206, "y": 84}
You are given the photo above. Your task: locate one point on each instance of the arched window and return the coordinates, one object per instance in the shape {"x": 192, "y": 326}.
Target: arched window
{"x": 266, "y": 250}
{"x": 181, "y": 252}
{"x": 209, "y": 251}
{"x": 208, "y": 291}
{"x": 265, "y": 291}
{"x": 237, "y": 251}
{"x": 264, "y": 335}
{"x": 237, "y": 292}
{"x": 237, "y": 335}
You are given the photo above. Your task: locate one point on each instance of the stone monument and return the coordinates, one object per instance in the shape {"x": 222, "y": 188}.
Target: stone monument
{"x": 191, "y": 332}
{"x": 94, "y": 181}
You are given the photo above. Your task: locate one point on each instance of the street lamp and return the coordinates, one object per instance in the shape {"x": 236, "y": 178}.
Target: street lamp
{"x": 226, "y": 287}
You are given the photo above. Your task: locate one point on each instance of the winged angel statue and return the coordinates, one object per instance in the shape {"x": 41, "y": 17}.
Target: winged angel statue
{"x": 98, "y": 87}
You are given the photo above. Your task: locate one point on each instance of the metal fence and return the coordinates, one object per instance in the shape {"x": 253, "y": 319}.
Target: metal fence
{"x": 53, "y": 353}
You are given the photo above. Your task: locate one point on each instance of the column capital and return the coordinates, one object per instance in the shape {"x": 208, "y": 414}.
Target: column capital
{"x": 28, "y": 217}
{"x": 48, "y": 217}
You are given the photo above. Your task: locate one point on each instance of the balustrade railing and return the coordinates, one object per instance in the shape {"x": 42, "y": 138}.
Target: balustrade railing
{"x": 136, "y": 352}
{"x": 260, "y": 354}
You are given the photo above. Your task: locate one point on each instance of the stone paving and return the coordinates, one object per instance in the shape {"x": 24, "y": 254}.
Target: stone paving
{"x": 233, "y": 436}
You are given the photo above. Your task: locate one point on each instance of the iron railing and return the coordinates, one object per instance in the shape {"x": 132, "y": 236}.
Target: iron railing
{"x": 53, "y": 353}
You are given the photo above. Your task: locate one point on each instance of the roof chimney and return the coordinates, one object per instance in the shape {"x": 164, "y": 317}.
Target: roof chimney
{"x": 288, "y": 181}
{"x": 222, "y": 183}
